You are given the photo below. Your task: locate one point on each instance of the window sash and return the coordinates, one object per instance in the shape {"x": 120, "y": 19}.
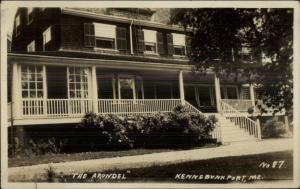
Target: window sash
{"x": 152, "y": 47}
{"x": 47, "y": 35}
{"x": 32, "y": 85}
{"x": 107, "y": 40}
{"x": 31, "y": 47}
{"x": 179, "y": 50}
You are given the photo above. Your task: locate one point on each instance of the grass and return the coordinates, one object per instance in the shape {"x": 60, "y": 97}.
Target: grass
{"x": 57, "y": 158}
{"x": 234, "y": 166}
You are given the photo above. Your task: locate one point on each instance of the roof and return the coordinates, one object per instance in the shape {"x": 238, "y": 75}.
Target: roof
{"x": 102, "y": 16}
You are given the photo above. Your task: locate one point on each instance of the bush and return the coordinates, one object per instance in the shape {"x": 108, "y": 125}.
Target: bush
{"x": 179, "y": 128}
{"x": 274, "y": 128}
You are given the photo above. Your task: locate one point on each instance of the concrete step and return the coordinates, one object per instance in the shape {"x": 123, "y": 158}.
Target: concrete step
{"x": 232, "y": 132}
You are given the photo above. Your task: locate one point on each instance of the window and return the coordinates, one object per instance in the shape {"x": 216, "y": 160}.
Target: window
{"x": 32, "y": 81}
{"x": 229, "y": 93}
{"x": 17, "y": 25}
{"x": 29, "y": 15}
{"x": 31, "y": 47}
{"x": 179, "y": 44}
{"x": 105, "y": 36}
{"x": 127, "y": 88}
{"x": 105, "y": 87}
{"x": 46, "y": 36}
{"x": 78, "y": 82}
{"x": 179, "y": 50}
{"x": 246, "y": 54}
{"x": 150, "y": 41}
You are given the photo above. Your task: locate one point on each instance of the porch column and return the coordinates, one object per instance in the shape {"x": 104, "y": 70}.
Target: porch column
{"x": 218, "y": 92}
{"x": 94, "y": 90}
{"x": 181, "y": 88}
{"x": 16, "y": 92}
{"x": 252, "y": 96}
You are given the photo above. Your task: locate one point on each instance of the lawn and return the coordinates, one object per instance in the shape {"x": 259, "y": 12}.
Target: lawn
{"x": 57, "y": 158}
{"x": 245, "y": 169}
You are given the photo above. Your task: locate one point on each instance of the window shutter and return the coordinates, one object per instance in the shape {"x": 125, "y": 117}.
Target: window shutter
{"x": 89, "y": 35}
{"x": 140, "y": 41}
{"x": 188, "y": 45}
{"x": 121, "y": 38}
{"x": 160, "y": 43}
{"x": 170, "y": 44}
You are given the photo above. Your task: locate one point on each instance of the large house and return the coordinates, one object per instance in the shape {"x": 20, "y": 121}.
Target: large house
{"x": 65, "y": 62}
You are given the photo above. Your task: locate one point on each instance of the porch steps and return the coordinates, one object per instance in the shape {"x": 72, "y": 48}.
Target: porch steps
{"x": 232, "y": 133}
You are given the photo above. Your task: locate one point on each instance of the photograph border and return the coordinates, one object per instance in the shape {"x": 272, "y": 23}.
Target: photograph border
{"x": 151, "y": 4}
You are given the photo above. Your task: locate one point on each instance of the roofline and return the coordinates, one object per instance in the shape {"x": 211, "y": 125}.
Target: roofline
{"x": 99, "y": 16}
{"x": 104, "y": 63}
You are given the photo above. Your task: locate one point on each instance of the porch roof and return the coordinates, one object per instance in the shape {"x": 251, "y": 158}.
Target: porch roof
{"x": 87, "y": 60}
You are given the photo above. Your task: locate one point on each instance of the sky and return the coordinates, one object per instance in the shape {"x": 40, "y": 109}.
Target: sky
{"x": 8, "y": 19}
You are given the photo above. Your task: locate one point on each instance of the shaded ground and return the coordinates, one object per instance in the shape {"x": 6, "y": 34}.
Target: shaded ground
{"x": 57, "y": 158}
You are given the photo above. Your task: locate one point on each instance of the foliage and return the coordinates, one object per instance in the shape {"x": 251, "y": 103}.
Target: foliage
{"x": 178, "y": 128}
{"x": 52, "y": 176}
{"x": 274, "y": 128}
{"x": 15, "y": 148}
{"x": 45, "y": 146}
{"x": 218, "y": 34}
{"x": 36, "y": 147}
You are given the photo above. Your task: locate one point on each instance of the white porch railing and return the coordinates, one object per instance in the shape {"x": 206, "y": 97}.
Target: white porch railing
{"x": 242, "y": 121}
{"x": 241, "y": 105}
{"x": 56, "y": 107}
{"x": 51, "y": 108}
{"x": 216, "y": 133}
{"x": 136, "y": 106}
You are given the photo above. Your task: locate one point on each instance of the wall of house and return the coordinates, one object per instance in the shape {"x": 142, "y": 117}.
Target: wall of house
{"x": 42, "y": 19}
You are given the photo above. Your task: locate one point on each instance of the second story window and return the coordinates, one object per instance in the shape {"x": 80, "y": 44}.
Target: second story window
{"x": 150, "y": 41}
{"x": 31, "y": 47}
{"x": 179, "y": 44}
{"x": 29, "y": 15}
{"x": 245, "y": 54}
{"x": 46, "y": 36}
{"x": 105, "y": 36}
{"x": 17, "y": 25}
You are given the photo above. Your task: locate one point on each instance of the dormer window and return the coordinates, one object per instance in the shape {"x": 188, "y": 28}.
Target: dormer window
{"x": 150, "y": 41}
{"x": 31, "y": 47}
{"x": 105, "y": 36}
{"x": 179, "y": 44}
{"x": 46, "y": 36}
{"x": 17, "y": 25}
{"x": 29, "y": 15}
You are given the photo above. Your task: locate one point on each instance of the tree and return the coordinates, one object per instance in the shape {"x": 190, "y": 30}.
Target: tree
{"x": 218, "y": 35}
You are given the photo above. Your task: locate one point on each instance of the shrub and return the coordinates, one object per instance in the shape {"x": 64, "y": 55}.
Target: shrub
{"x": 175, "y": 129}
{"x": 274, "y": 128}
{"x": 15, "y": 148}
{"x": 44, "y": 146}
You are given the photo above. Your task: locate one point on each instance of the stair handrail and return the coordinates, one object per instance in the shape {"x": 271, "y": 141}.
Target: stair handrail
{"x": 216, "y": 133}
{"x": 241, "y": 120}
